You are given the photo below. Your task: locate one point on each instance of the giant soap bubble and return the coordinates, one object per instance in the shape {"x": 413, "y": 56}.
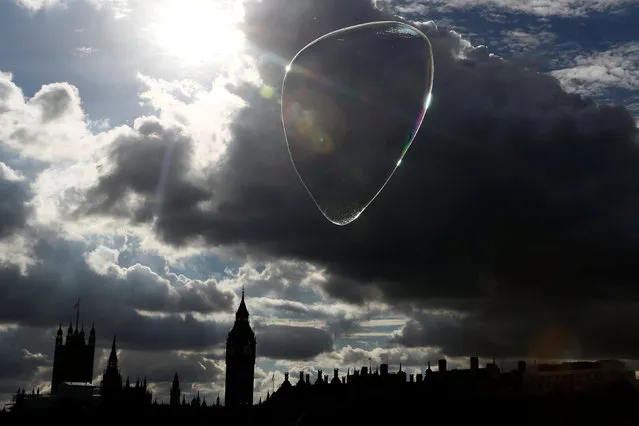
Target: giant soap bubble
{"x": 352, "y": 102}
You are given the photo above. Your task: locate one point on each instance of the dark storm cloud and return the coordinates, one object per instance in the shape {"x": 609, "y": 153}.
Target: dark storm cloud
{"x": 536, "y": 329}
{"x": 25, "y": 359}
{"x": 517, "y": 202}
{"x": 54, "y": 101}
{"x": 15, "y": 194}
{"x": 151, "y": 161}
{"x": 22, "y": 351}
{"x": 292, "y": 343}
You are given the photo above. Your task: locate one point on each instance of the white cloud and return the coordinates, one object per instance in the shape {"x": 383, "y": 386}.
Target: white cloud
{"x": 539, "y": 8}
{"x": 590, "y": 74}
{"x": 84, "y": 51}
{"x": 121, "y": 8}
{"x": 16, "y": 250}
{"x": 35, "y": 5}
{"x": 524, "y": 41}
{"x": 49, "y": 126}
{"x": 207, "y": 113}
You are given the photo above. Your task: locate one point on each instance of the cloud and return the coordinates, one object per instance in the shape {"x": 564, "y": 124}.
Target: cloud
{"x": 564, "y": 8}
{"x": 523, "y": 41}
{"x": 141, "y": 306}
{"x": 592, "y": 73}
{"x": 120, "y": 8}
{"x": 15, "y": 194}
{"x": 159, "y": 367}
{"x": 507, "y": 191}
{"x": 35, "y": 5}
{"x": 48, "y": 126}
{"x": 161, "y": 183}
{"x": 282, "y": 342}
{"x": 24, "y": 358}
{"x": 543, "y": 330}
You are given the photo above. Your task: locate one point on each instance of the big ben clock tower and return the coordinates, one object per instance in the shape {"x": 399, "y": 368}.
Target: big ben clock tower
{"x": 240, "y": 360}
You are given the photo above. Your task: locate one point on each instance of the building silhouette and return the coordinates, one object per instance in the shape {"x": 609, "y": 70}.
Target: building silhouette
{"x": 357, "y": 395}
{"x": 112, "y": 392}
{"x": 111, "y": 384}
{"x": 175, "y": 392}
{"x": 73, "y": 358}
{"x": 240, "y": 360}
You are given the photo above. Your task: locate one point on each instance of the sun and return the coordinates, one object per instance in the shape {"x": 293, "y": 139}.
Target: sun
{"x": 198, "y": 32}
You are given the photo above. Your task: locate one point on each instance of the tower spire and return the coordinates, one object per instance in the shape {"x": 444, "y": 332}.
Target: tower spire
{"x": 242, "y": 312}
{"x": 113, "y": 358}
{"x": 77, "y": 313}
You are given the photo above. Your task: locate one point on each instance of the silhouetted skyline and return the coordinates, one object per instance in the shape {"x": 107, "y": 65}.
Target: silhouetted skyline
{"x": 72, "y": 384}
{"x": 564, "y": 389}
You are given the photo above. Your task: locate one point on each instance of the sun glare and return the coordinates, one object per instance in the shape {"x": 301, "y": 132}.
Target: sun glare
{"x": 198, "y": 31}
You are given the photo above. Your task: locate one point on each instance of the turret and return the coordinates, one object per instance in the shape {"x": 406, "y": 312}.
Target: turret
{"x": 175, "y": 392}
{"x": 336, "y": 380}
{"x": 69, "y": 332}
{"x": 242, "y": 313}
{"x": 113, "y": 358}
{"x": 92, "y": 336}
{"x": 111, "y": 379}
{"x": 58, "y": 337}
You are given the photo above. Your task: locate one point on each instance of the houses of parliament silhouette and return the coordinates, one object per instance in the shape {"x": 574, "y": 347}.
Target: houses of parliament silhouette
{"x": 74, "y": 358}
{"x": 74, "y": 355}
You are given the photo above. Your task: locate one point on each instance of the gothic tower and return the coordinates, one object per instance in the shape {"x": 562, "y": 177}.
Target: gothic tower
{"x": 73, "y": 358}
{"x": 240, "y": 360}
{"x": 175, "y": 392}
{"x": 111, "y": 386}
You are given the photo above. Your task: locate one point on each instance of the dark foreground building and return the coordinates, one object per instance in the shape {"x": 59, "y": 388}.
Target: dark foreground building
{"x": 73, "y": 357}
{"x": 240, "y": 360}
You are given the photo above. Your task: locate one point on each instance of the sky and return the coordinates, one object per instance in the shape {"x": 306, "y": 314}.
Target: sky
{"x": 144, "y": 170}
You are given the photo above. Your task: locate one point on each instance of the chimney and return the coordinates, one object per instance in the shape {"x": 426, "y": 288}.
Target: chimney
{"x": 384, "y": 369}
{"x": 442, "y": 365}
{"x": 474, "y": 363}
{"x": 521, "y": 366}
